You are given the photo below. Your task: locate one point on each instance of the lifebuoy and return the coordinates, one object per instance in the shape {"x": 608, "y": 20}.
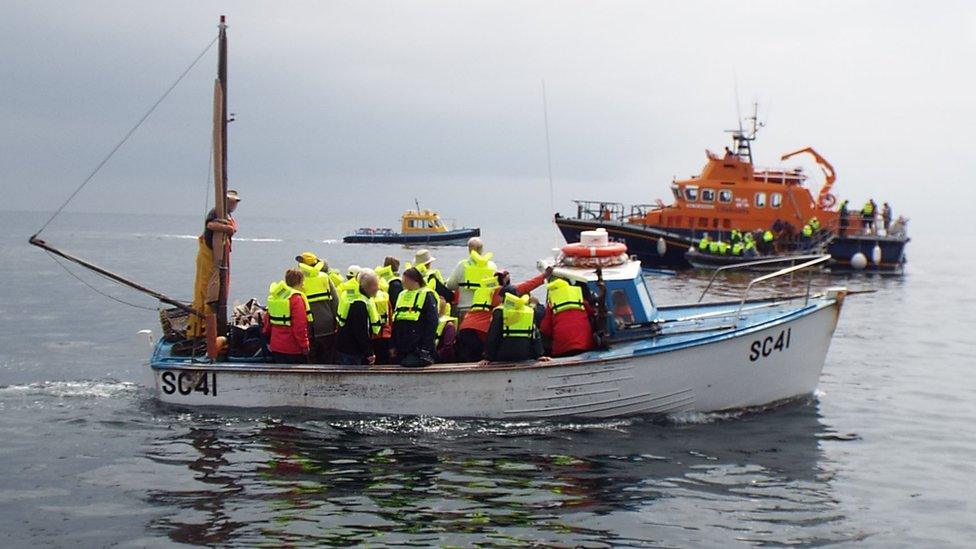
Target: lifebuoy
{"x": 828, "y": 201}
{"x": 610, "y": 250}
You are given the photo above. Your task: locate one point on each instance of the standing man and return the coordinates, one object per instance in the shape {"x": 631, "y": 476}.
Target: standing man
{"x": 886, "y": 216}
{"x": 357, "y": 317}
{"x": 206, "y": 284}
{"x": 469, "y": 273}
{"x": 324, "y": 301}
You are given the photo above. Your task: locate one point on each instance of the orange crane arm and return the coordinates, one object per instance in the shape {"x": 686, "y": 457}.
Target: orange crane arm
{"x": 828, "y": 171}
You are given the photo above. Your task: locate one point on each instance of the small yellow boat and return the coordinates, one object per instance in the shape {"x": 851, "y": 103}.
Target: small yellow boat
{"x": 417, "y": 227}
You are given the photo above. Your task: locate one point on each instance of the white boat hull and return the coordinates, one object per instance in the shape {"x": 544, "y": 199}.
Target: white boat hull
{"x": 764, "y": 364}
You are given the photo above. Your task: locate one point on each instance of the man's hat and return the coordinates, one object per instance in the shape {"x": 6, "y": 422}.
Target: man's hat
{"x": 422, "y": 257}
{"x": 307, "y": 258}
{"x": 232, "y": 195}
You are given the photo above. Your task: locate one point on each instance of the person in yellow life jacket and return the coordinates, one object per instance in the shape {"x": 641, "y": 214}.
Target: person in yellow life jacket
{"x": 513, "y": 336}
{"x": 807, "y": 232}
{"x": 469, "y": 273}
{"x": 704, "y": 243}
{"x": 714, "y": 246}
{"x": 567, "y": 322}
{"x": 723, "y": 248}
{"x": 867, "y": 215}
{"x": 287, "y": 320}
{"x": 381, "y": 340}
{"x": 358, "y": 319}
{"x": 768, "y": 242}
{"x": 737, "y": 248}
{"x": 447, "y": 329}
{"x": 389, "y": 275}
{"x": 415, "y": 321}
{"x": 735, "y": 236}
{"x": 323, "y": 298}
{"x": 206, "y": 281}
{"x": 814, "y": 223}
{"x": 423, "y": 261}
{"x": 749, "y": 246}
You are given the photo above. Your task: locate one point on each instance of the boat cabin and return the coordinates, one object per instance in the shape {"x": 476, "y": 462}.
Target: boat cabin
{"x": 628, "y": 304}
{"x": 422, "y": 222}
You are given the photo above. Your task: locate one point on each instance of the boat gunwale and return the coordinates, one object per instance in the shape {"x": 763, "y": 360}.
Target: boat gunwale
{"x": 472, "y": 367}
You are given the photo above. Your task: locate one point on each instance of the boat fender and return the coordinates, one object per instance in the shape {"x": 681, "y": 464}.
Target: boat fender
{"x": 662, "y": 246}
{"x": 876, "y": 254}
{"x": 859, "y": 261}
{"x": 610, "y": 250}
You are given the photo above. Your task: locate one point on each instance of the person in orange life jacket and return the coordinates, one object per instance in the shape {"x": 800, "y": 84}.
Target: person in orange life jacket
{"x": 287, "y": 320}
{"x": 353, "y": 342}
{"x": 513, "y": 336}
{"x": 205, "y": 281}
{"x": 473, "y": 331}
{"x": 415, "y": 322}
{"x": 422, "y": 261}
{"x": 568, "y": 319}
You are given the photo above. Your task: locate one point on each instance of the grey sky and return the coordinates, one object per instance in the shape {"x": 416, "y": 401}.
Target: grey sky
{"x": 369, "y": 104}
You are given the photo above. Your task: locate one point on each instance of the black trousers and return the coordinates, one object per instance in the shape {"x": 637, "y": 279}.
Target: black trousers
{"x": 284, "y": 358}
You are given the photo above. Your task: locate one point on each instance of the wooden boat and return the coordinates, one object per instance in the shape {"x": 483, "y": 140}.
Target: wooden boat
{"x": 651, "y": 359}
{"x": 731, "y": 193}
{"x": 417, "y": 227}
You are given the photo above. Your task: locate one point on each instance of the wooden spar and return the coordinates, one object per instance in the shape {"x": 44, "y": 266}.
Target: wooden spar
{"x": 122, "y": 280}
{"x": 221, "y": 259}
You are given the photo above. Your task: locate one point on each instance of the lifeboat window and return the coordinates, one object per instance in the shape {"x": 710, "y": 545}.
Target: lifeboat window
{"x": 708, "y": 195}
{"x": 726, "y": 223}
{"x": 676, "y": 192}
{"x": 691, "y": 193}
{"x": 760, "y": 200}
{"x": 714, "y": 222}
{"x": 776, "y": 200}
{"x": 725, "y": 195}
{"x": 702, "y": 221}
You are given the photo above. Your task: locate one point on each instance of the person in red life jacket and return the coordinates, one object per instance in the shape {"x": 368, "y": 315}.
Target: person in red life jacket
{"x": 473, "y": 331}
{"x": 568, "y": 319}
{"x": 287, "y": 320}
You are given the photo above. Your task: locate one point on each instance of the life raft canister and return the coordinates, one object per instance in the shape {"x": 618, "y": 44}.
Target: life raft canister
{"x": 595, "y": 244}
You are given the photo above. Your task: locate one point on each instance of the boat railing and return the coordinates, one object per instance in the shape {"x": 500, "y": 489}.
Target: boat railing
{"x": 807, "y": 266}
{"x": 815, "y": 258}
{"x": 594, "y": 209}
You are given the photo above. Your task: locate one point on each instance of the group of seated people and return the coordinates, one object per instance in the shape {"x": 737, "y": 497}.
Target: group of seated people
{"x": 417, "y": 318}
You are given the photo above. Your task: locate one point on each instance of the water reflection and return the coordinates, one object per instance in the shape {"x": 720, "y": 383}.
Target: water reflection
{"x": 301, "y": 479}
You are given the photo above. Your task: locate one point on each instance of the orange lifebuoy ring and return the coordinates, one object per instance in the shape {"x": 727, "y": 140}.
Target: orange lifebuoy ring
{"x": 610, "y": 250}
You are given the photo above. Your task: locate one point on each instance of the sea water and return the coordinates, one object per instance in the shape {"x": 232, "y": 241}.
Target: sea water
{"x": 882, "y": 454}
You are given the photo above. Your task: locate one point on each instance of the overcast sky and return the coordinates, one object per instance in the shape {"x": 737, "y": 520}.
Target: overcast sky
{"x": 348, "y": 105}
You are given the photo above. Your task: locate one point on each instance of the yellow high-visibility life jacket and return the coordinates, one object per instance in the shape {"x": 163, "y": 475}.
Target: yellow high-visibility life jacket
{"x": 737, "y": 248}
{"x": 382, "y": 303}
{"x": 518, "y": 319}
{"x": 386, "y": 275}
{"x": 476, "y": 268}
{"x": 279, "y": 304}
{"x": 432, "y": 276}
{"x": 807, "y": 230}
{"x": 703, "y": 243}
{"x": 768, "y": 236}
{"x": 564, "y": 296}
{"x": 348, "y": 294}
{"x": 484, "y": 295}
{"x": 441, "y": 324}
{"x": 814, "y": 223}
{"x": 316, "y": 282}
{"x": 409, "y": 304}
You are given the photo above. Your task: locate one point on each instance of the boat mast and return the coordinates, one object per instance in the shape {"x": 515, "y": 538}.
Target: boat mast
{"x": 220, "y": 248}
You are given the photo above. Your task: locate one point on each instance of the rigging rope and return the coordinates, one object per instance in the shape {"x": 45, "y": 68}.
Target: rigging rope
{"x": 96, "y": 290}
{"x": 127, "y": 136}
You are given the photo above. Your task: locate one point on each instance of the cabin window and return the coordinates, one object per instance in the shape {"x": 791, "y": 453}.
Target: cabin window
{"x": 725, "y": 195}
{"x": 691, "y": 222}
{"x": 676, "y": 192}
{"x": 776, "y": 200}
{"x": 410, "y": 223}
{"x": 714, "y": 222}
{"x": 703, "y": 222}
{"x": 708, "y": 195}
{"x": 691, "y": 193}
{"x": 726, "y": 223}
{"x": 760, "y": 200}
{"x": 621, "y": 306}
